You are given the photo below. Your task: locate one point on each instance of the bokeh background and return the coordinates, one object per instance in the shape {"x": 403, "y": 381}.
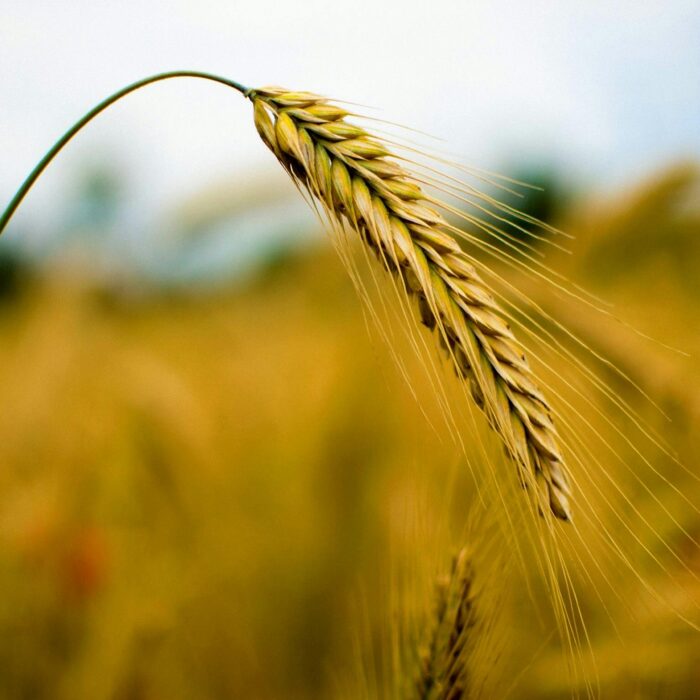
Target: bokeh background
{"x": 210, "y": 469}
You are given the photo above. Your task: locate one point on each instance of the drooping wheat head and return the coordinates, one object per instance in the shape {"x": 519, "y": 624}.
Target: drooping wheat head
{"x": 362, "y": 185}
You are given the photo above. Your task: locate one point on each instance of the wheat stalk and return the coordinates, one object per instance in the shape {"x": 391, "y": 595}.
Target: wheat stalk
{"x": 360, "y": 183}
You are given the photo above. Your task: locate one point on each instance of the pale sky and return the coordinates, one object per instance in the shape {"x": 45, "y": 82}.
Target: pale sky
{"x": 610, "y": 90}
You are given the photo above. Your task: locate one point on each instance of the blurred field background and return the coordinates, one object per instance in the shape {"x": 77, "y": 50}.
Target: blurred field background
{"x": 214, "y": 480}
{"x": 206, "y": 491}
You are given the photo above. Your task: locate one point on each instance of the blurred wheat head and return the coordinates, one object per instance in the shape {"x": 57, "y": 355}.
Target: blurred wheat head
{"x": 444, "y": 665}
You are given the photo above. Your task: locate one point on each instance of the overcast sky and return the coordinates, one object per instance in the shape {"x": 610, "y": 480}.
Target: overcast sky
{"x": 610, "y": 90}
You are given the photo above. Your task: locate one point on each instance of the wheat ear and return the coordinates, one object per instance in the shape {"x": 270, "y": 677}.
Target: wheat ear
{"x": 361, "y": 184}
{"x": 444, "y": 672}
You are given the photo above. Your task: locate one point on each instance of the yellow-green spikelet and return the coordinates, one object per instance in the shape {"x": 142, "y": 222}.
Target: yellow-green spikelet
{"x": 351, "y": 173}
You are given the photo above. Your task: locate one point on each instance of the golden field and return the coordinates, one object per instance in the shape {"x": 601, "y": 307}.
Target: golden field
{"x": 237, "y": 494}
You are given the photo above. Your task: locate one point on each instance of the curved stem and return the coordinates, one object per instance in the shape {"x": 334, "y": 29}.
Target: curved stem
{"x": 58, "y": 146}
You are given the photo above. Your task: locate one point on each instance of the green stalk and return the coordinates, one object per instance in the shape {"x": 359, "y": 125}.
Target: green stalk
{"x": 87, "y": 118}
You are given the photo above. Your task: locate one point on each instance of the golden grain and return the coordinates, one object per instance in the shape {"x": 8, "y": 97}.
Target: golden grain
{"x": 360, "y": 183}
